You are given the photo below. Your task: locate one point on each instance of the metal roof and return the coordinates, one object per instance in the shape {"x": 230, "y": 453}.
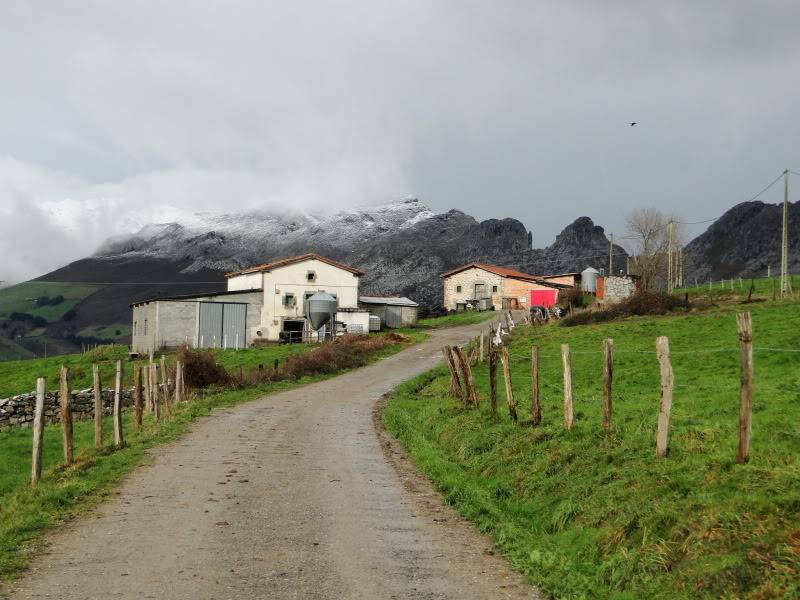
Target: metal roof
{"x": 195, "y": 296}
{"x": 390, "y": 301}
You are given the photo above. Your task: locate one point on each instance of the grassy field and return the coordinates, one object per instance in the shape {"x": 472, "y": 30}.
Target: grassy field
{"x": 589, "y": 515}
{"x": 26, "y": 513}
{"x": 17, "y": 377}
{"x": 22, "y": 298}
{"x": 763, "y": 287}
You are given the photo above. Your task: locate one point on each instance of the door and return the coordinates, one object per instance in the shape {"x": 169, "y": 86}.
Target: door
{"x": 234, "y": 325}
{"x": 394, "y": 316}
{"x": 222, "y": 325}
{"x": 210, "y": 329}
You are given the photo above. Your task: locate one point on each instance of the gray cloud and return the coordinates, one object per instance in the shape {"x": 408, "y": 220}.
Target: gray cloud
{"x": 122, "y": 111}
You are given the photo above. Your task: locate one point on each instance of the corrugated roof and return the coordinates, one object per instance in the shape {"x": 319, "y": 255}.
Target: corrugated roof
{"x": 497, "y": 270}
{"x": 391, "y": 301}
{"x": 292, "y": 260}
{"x": 197, "y": 296}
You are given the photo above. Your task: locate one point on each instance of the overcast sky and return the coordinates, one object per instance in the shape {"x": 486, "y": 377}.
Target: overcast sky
{"x": 113, "y": 114}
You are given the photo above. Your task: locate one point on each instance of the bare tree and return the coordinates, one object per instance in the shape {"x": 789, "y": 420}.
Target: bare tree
{"x": 648, "y": 245}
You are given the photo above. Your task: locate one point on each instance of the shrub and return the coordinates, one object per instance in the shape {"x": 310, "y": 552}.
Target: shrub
{"x": 200, "y": 368}
{"x": 641, "y": 303}
{"x": 347, "y": 352}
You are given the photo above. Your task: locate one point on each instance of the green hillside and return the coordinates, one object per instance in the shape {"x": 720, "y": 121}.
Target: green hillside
{"x": 586, "y": 514}
{"x": 22, "y": 298}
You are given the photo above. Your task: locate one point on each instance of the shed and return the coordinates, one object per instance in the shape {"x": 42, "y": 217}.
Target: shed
{"x": 392, "y": 311}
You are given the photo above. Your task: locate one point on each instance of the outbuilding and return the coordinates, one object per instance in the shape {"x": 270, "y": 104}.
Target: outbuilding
{"x": 392, "y": 311}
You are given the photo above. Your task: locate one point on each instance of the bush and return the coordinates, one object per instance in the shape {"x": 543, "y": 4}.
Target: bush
{"x": 641, "y": 303}
{"x": 347, "y": 352}
{"x": 30, "y": 319}
{"x": 200, "y": 368}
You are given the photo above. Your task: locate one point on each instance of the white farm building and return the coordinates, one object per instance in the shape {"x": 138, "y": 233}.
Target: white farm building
{"x": 265, "y": 302}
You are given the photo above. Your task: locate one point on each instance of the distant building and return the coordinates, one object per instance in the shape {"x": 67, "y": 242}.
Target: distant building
{"x": 392, "y": 311}
{"x": 482, "y": 286}
{"x": 261, "y": 303}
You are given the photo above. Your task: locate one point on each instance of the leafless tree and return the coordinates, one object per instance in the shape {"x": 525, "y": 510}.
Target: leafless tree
{"x": 648, "y": 245}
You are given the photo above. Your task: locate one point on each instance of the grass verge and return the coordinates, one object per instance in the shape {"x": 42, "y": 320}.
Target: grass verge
{"x": 26, "y": 513}
{"x": 591, "y": 515}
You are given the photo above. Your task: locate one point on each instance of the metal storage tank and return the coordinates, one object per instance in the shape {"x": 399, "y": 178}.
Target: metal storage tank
{"x": 589, "y": 279}
{"x": 321, "y": 307}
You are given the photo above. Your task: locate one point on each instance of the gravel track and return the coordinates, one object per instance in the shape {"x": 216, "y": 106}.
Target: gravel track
{"x": 293, "y": 495}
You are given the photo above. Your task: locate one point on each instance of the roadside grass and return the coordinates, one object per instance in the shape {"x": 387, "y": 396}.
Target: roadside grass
{"x": 589, "y": 515}
{"x": 469, "y": 317}
{"x": 26, "y": 513}
{"x": 22, "y": 298}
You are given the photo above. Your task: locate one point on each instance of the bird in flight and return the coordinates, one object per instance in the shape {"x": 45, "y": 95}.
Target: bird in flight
{"x": 634, "y": 123}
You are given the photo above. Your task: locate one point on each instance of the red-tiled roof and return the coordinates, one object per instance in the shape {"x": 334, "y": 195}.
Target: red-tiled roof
{"x": 502, "y": 271}
{"x": 295, "y": 259}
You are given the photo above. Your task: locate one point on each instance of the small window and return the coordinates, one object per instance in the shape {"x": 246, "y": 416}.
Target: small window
{"x": 494, "y": 289}
{"x": 288, "y": 300}
{"x": 135, "y": 328}
{"x": 145, "y": 327}
{"x": 458, "y": 289}
{"x": 311, "y": 276}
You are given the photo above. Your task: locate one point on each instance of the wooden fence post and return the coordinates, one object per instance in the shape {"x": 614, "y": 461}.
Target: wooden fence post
{"x": 536, "y": 406}
{"x": 455, "y": 381}
{"x": 38, "y": 432}
{"x": 165, "y": 382}
{"x": 146, "y": 388}
{"x": 512, "y": 409}
{"x": 493, "y": 379}
{"x": 137, "y": 396}
{"x": 608, "y": 377}
{"x": 744, "y": 323}
{"x": 481, "y": 355}
{"x": 566, "y": 359}
{"x": 179, "y": 381}
{"x": 119, "y": 438}
{"x": 154, "y": 391}
{"x": 98, "y": 407}
{"x": 65, "y": 399}
{"x": 471, "y": 396}
{"x": 667, "y": 382}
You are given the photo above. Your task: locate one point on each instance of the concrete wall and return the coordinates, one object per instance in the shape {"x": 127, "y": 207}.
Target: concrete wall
{"x": 467, "y": 280}
{"x": 250, "y": 281}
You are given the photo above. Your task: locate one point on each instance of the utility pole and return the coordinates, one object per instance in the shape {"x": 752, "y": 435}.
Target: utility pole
{"x": 611, "y": 256}
{"x": 785, "y": 284}
{"x": 669, "y": 257}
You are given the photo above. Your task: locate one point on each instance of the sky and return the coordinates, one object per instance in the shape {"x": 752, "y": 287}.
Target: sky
{"x": 114, "y": 114}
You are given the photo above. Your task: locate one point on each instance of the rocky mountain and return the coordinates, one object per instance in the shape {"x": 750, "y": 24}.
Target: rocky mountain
{"x": 403, "y": 247}
{"x": 743, "y": 242}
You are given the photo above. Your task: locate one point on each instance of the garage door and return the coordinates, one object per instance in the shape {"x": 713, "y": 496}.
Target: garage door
{"x": 222, "y": 325}
{"x": 394, "y": 316}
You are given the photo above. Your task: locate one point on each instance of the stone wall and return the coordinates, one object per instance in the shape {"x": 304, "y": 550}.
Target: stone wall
{"x": 618, "y": 288}
{"x": 17, "y": 411}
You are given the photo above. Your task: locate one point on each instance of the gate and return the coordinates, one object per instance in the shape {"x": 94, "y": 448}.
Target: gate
{"x": 394, "y": 316}
{"x": 222, "y": 325}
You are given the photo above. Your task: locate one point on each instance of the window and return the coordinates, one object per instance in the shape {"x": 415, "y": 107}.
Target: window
{"x": 311, "y": 276}
{"x": 494, "y": 289}
{"x": 288, "y": 300}
{"x": 135, "y": 328}
{"x": 145, "y": 327}
{"x": 458, "y": 289}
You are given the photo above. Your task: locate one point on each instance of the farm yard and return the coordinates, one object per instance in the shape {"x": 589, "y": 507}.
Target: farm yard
{"x": 589, "y": 514}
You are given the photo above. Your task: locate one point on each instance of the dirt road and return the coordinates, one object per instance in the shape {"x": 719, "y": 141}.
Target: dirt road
{"x": 288, "y": 496}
